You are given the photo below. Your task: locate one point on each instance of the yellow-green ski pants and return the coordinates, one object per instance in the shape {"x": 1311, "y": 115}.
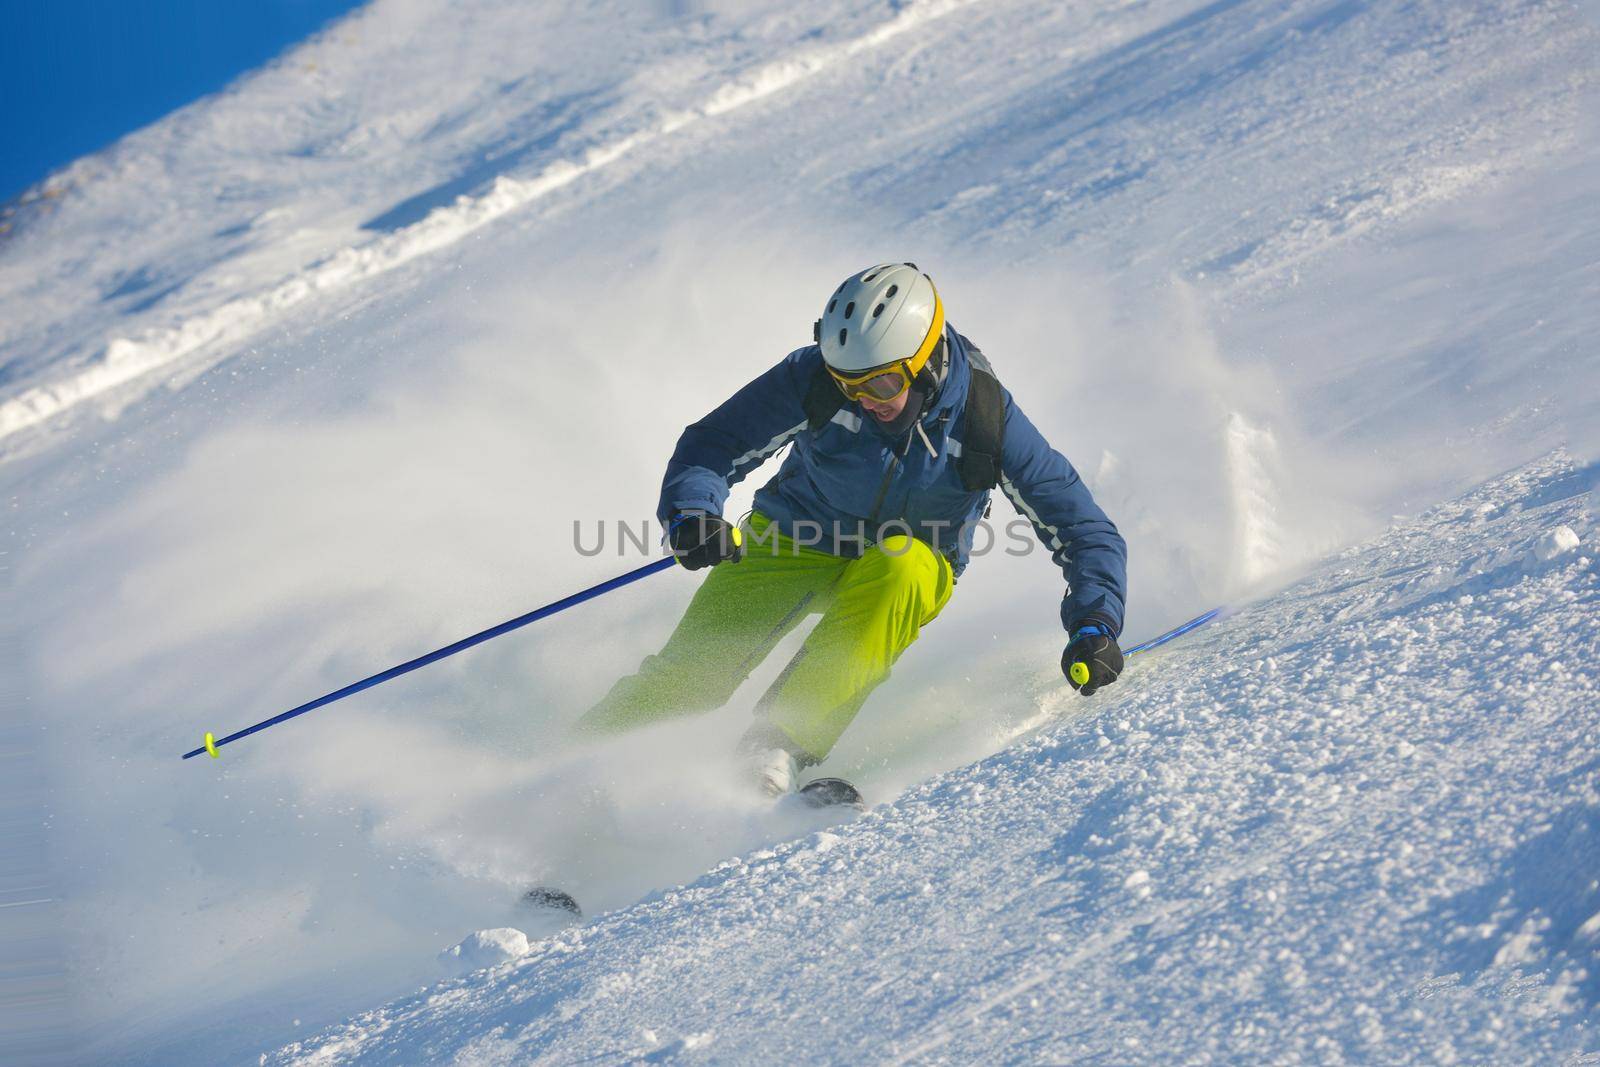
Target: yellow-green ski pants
{"x": 872, "y": 609}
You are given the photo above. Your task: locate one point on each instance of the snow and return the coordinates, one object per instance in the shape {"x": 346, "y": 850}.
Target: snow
{"x": 128, "y": 360}
{"x": 1555, "y": 542}
{"x": 486, "y": 948}
{"x": 317, "y": 373}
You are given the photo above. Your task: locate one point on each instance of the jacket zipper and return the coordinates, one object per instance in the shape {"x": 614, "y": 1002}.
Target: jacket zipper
{"x": 883, "y": 490}
{"x": 894, "y": 461}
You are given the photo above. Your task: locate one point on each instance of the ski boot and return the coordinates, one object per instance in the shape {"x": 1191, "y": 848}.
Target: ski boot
{"x": 774, "y": 771}
{"x": 770, "y": 764}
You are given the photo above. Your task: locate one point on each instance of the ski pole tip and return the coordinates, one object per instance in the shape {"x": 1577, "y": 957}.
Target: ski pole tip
{"x": 211, "y": 747}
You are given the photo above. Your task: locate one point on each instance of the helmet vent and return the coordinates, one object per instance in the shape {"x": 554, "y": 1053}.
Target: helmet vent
{"x": 869, "y": 277}
{"x": 831, "y": 303}
{"x": 842, "y": 333}
{"x": 889, "y": 294}
{"x": 850, "y": 309}
{"x": 877, "y": 311}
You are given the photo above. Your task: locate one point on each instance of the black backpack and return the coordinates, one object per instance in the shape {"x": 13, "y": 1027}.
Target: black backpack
{"x": 983, "y": 427}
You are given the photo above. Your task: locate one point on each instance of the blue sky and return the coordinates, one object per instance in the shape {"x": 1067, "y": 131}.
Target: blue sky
{"x": 77, "y": 74}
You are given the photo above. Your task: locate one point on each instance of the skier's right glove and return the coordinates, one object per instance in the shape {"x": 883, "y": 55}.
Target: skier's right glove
{"x": 701, "y": 539}
{"x": 1092, "y": 659}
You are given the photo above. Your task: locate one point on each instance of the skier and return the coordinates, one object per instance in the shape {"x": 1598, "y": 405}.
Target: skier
{"x": 900, "y": 430}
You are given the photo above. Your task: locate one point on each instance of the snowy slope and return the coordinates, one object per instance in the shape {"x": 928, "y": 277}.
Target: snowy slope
{"x": 318, "y": 373}
{"x": 1356, "y": 822}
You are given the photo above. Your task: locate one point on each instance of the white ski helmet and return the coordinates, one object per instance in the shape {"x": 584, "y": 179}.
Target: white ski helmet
{"x": 882, "y": 315}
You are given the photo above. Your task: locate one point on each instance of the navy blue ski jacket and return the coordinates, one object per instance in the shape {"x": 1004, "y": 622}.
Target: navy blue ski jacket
{"x": 849, "y": 478}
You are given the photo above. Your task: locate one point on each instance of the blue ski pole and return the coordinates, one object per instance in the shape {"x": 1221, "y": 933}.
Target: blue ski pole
{"x": 213, "y": 743}
{"x": 1079, "y": 672}
{"x": 1193, "y": 624}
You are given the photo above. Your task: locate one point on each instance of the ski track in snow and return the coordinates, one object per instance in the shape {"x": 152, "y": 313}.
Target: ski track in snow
{"x": 127, "y": 360}
{"x": 1336, "y": 827}
{"x": 1129, "y": 87}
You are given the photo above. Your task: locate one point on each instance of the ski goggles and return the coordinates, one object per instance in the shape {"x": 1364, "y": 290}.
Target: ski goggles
{"x": 888, "y": 382}
{"x": 881, "y": 384}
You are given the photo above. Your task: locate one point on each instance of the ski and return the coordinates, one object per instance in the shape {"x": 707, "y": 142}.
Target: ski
{"x": 831, "y": 793}
{"x": 552, "y": 901}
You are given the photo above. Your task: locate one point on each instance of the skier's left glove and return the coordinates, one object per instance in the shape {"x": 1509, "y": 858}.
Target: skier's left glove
{"x": 1092, "y": 659}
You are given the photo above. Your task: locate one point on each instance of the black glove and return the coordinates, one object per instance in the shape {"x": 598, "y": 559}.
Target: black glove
{"x": 1094, "y": 656}
{"x": 701, "y": 539}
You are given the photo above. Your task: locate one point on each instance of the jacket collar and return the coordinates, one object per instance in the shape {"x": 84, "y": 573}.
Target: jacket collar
{"x": 952, "y": 395}
{"x": 947, "y": 403}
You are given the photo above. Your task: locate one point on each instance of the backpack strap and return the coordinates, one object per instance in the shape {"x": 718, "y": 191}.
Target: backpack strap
{"x": 984, "y": 430}
{"x": 822, "y": 400}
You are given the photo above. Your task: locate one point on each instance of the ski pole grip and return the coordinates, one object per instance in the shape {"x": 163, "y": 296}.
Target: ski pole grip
{"x": 1079, "y": 672}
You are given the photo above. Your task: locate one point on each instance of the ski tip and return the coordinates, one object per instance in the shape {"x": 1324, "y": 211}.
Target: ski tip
{"x": 831, "y": 793}
{"x": 548, "y": 898}
{"x": 211, "y": 747}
